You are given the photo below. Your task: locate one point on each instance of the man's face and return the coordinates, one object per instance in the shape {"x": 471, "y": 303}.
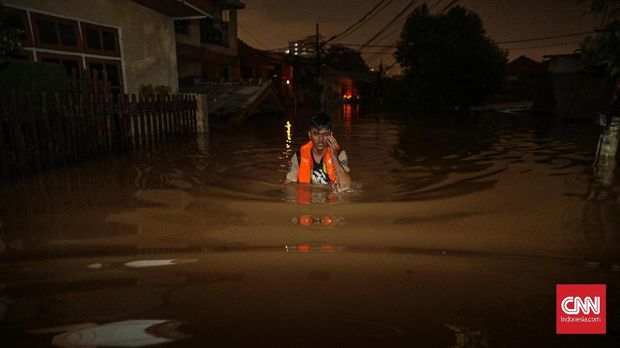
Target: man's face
{"x": 319, "y": 137}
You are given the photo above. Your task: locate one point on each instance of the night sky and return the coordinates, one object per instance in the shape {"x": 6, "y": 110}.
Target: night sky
{"x": 270, "y": 24}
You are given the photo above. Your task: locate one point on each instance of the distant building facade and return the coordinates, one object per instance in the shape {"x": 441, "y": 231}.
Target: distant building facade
{"x": 526, "y": 80}
{"x": 580, "y": 92}
{"x": 133, "y": 42}
{"x": 207, "y": 48}
{"x": 304, "y": 47}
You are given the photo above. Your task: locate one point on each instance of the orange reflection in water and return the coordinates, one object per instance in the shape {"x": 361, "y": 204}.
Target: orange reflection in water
{"x": 346, "y": 113}
{"x": 309, "y": 220}
{"x": 307, "y": 248}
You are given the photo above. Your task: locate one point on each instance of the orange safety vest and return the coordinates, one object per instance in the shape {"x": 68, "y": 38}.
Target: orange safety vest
{"x": 304, "y": 174}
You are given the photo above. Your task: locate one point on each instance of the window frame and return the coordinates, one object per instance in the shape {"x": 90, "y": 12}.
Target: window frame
{"x": 28, "y": 42}
{"x": 100, "y": 52}
{"x": 34, "y": 16}
{"x": 43, "y": 55}
{"x": 119, "y": 67}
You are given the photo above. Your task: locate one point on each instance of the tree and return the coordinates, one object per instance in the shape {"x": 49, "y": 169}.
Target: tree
{"x": 9, "y": 38}
{"x": 448, "y": 60}
{"x": 603, "y": 49}
{"x": 345, "y": 59}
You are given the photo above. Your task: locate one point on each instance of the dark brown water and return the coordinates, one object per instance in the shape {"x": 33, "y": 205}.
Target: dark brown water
{"x": 455, "y": 234}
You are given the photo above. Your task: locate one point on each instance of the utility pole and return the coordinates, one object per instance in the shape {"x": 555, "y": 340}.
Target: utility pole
{"x": 318, "y": 55}
{"x": 320, "y": 92}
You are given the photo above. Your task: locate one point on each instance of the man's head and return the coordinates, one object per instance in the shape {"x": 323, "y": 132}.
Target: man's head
{"x": 320, "y": 128}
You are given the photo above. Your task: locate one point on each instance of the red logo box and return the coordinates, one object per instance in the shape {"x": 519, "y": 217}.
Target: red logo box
{"x": 580, "y": 308}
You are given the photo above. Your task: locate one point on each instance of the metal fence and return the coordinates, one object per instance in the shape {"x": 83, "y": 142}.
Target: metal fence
{"x": 42, "y": 130}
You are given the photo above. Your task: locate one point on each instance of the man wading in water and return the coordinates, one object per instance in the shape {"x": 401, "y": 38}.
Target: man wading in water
{"x": 320, "y": 160}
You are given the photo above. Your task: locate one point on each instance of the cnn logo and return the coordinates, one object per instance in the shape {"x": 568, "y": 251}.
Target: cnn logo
{"x": 574, "y": 305}
{"x": 580, "y": 309}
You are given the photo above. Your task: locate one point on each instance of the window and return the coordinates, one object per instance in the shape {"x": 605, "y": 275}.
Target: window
{"x": 100, "y": 40}
{"x": 181, "y": 26}
{"x": 111, "y": 68}
{"x": 70, "y": 43}
{"x": 225, "y": 16}
{"x": 226, "y": 72}
{"x": 18, "y": 19}
{"x": 55, "y": 33}
{"x": 22, "y": 55}
{"x": 214, "y": 31}
{"x": 72, "y": 64}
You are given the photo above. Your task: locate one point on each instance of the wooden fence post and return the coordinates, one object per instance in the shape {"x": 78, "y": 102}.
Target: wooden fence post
{"x": 202, "y": 114}
{"x": 4, "y": 150}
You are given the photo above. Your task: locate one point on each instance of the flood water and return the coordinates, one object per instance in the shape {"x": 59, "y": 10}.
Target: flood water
{"x": 455, "y": 234}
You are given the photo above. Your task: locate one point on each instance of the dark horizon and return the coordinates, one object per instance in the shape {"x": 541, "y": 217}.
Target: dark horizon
{"x": 265, "y": 26}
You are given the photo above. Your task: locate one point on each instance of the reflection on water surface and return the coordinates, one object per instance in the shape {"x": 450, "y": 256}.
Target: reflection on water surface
{"x": 206, "y": 233}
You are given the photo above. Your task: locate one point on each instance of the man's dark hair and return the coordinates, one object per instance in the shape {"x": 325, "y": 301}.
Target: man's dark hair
{"x": 321, "y": 121}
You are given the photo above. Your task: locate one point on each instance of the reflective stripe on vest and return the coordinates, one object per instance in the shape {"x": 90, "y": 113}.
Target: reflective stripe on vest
{"x": 304, "y": 174}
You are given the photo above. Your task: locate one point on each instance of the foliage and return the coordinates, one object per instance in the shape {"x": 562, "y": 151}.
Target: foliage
{"x": 395, "y": 94}
{"x": 345, "y": 59}
{"x": 604, "y": 47}
{"x": 448, "y": 59}
{"x": 22, "y": 76}
{"x": 603, "y": 7}
{"x": 151, "y": 91}
{"x": 9, "y": 38}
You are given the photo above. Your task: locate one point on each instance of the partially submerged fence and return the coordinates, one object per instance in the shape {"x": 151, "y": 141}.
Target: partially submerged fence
{"x": 42, "y": 130}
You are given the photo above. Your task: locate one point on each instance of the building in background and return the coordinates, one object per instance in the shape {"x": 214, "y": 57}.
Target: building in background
{"x": 133, "y": 42}
{"x": 207, "y": 47}
{"x": 527, "y": 83}
{"x": 304, "y": 47}
{"x": 580, "y": 92}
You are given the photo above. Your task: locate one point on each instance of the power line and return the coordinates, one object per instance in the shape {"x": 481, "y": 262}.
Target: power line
{"x": 433, "y": 6}
{"x": 450, "y": 5}
{"x": 395, "y": 30}
{"x": 498, "y": 43}
{"x": 545, "y": 38}
{"x": 403, "y": 21}
{"x": 357, "y": 22}
{"x": 367, "y": 19}
{"x": 544, "y": 46}
{"x": 390, "y": 23}
{"x": 380, "y": 53}
{"x": 251, "y": 36}
{"x": 360, "y": 45}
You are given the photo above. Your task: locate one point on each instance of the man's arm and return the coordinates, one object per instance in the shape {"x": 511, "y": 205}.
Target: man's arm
{"x": 293, "y": 168}
{"x": 341, "y": 174}
{"x": 343, "y": 177}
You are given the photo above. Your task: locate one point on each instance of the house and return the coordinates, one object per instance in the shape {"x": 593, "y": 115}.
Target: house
{"x": 304, "y": 47}
{"x": 580, "y": 92}
{"x": 207, "y": 47}
{"x": 348, "y": 87}
{"x": 132, "y": 41}
{"x": 526, "y": 81}
{"x": 258, "y": 64}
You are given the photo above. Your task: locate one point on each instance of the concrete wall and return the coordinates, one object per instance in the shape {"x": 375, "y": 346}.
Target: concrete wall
{"x": 581, "y": 94}
{"x": 146, "y": 37}
{"x": 186, "y": 67}
{"x": 578, "y": 92}
{"x": 193, "y": 38}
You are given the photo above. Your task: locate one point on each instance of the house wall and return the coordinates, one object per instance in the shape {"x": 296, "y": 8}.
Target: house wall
{"x": 581, "y": 94}
{"x": 578, "y": 92}
{"x": 565, "y": 64}
{"x": 189, "y": 68}
{"x": 146, "y": 37}
{"x": 232, "y": 48}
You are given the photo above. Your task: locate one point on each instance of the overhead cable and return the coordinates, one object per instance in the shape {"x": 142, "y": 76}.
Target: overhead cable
{"x": 365, "y": 21}
{"x": 389, "y": 23}
{"x": 357, "y": 22}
